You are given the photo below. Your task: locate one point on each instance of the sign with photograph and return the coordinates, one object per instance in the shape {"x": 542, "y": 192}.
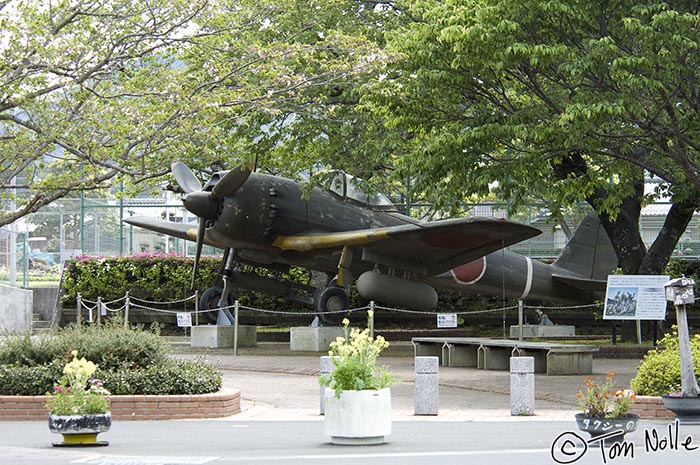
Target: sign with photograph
{"x": 635, "y": 297}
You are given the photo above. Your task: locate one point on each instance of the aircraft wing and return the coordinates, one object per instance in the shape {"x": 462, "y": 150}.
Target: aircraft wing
{"x": 430, "y": 248}
{"x": 185, "y": 231}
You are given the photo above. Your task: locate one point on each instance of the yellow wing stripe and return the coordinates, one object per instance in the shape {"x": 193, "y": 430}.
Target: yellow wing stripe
{"x": 325, "y": 241}
{"x": 192, "y": 234}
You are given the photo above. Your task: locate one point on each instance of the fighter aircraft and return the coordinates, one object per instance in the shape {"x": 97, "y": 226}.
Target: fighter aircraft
{"x": 356, "y": 236}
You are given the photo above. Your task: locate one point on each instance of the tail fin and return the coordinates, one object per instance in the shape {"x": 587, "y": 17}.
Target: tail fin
{"x": 588, "y": 257}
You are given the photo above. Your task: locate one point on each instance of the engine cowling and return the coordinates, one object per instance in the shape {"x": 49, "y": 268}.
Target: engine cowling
{"x": 397, "y": 292}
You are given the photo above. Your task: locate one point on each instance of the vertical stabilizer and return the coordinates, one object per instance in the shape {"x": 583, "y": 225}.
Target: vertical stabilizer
{"x": 589, "y": 254}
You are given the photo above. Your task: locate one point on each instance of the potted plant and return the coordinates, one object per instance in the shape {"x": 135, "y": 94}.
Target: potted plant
{"x": 79, "y": 405}
{"x": 357, "y": 395}
{"x": 605, "y": 410}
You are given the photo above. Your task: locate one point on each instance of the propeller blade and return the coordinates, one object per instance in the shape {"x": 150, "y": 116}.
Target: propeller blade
{"x": 232, "y": 181}
{"x": 185, "y": 178}
{"x": 198, "y": 253}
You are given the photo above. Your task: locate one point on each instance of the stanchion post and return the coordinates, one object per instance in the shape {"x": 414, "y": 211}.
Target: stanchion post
{"x": 126, "y": 310}
{"x": 371, "y": 319}
{"x": 78, "y": 308}
{"x": 235, "y": 328}
{"x": 520, "y": 320}
{"x": 196, "y": 308}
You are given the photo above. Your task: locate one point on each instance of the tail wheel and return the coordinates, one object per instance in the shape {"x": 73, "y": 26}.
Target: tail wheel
{"x": 331, "y": 299}
{"x": 210, "y": 301}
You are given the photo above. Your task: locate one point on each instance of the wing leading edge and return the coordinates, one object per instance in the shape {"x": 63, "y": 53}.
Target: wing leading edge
{"x": 433, "y": 247}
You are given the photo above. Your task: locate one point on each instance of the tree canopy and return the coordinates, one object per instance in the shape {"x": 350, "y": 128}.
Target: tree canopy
{"x": 98, "y": 93}
{"x": 550, "y": 99}
{"x": 565, "y": 100}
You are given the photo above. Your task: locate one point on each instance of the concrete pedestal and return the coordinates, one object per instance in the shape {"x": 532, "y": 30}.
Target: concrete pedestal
{"x": 543, "y": 331}
{"x": 214, "y": 336}
{"x": 313, "y": 339}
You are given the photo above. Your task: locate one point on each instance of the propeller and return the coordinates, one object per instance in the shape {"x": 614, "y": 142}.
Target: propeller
{"x": 203, "y": 203}
{"x": 185, "y": 178}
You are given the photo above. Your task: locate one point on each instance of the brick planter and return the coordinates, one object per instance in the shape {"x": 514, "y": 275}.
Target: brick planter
{"x": 651, "y": 408}
{"x": 224, "y": 403}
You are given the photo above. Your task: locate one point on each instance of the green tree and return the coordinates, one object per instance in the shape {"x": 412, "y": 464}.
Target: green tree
{"x": 88, "y": 94}
{"x": 304, "y": 64}
{"x": 98, "y": 93}
{"x": 558, "y": 99}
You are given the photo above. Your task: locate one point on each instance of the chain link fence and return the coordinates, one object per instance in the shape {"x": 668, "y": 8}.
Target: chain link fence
{"x": 34, "y": 248}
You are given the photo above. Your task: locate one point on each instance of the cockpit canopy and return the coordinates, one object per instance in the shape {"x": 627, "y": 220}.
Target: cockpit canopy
{"x": 348, "y": 187}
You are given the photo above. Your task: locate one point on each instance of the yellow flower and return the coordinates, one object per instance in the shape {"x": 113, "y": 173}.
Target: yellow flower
{"x": 346, "y": 322}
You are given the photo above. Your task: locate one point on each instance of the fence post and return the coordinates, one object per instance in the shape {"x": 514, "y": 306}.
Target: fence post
{"x": 78, "y": 308}
{"x": 235, "y": 328}
{"x": 126, "y": 310}
{"x": 371, "y": 319}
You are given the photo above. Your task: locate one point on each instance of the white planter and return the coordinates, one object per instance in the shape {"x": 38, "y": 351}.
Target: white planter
{"x": 358, "y": 417}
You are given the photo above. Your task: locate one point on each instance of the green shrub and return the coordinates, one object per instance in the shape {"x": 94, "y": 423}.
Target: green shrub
{"x": 19, "y": 380}
{"x": 109, "y": 345}
{"x": 130, "y": 360}
{"x": 660, "y": 371}
{"x": 27, "y": 350}
{"x": 174, "y": 377}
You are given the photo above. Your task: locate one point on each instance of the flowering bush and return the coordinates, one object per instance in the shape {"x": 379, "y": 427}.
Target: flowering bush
{"x": 601, "y": 400}
{"x": 355, "y": 357}
{"x": 77, "y": 392}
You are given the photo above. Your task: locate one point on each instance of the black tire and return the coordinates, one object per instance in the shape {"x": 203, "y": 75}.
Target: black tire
{"x": 331, "y": 299}
{"x": 210, "y": 301}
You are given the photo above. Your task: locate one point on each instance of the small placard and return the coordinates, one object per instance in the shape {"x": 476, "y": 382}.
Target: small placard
{"x": 184, "y": 319}
{"x": 446, "y": 320}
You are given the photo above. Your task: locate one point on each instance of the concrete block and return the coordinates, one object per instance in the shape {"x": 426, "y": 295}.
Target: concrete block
{"x": 313, "y": 339}
{"x": 15, "y": 309}
{"x": 522, "y": 386}
{"x": 216, "y": 336}
{"x": 427, "y": 388}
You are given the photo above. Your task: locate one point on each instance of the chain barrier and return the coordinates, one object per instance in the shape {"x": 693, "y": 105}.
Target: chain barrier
{"x": 142, "y": 304}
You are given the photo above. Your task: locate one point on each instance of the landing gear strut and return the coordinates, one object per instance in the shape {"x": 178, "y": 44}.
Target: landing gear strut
{"x": 216, "y": 298}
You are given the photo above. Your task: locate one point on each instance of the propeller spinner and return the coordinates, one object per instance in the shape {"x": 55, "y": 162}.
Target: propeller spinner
{"x": 206, "y": 204}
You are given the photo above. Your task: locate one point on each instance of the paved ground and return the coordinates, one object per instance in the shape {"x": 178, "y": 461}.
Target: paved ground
{"x": 284, "y": 386}
{"x": 280, "y": 423}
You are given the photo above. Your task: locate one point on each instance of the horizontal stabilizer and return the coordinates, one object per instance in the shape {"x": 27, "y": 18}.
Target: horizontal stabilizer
{"x": 581, "y": 283}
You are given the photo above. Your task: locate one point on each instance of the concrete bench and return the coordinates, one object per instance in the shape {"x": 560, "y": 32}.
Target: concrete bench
{"x": 494, "y": 354}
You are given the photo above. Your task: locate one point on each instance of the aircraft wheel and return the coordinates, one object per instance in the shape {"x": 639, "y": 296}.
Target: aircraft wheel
{"x": 210, "y": 301}
{"x": 331, "y": 299}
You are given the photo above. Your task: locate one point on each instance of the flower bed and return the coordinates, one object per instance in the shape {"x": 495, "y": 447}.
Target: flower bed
{"x": 224, "y": 403}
